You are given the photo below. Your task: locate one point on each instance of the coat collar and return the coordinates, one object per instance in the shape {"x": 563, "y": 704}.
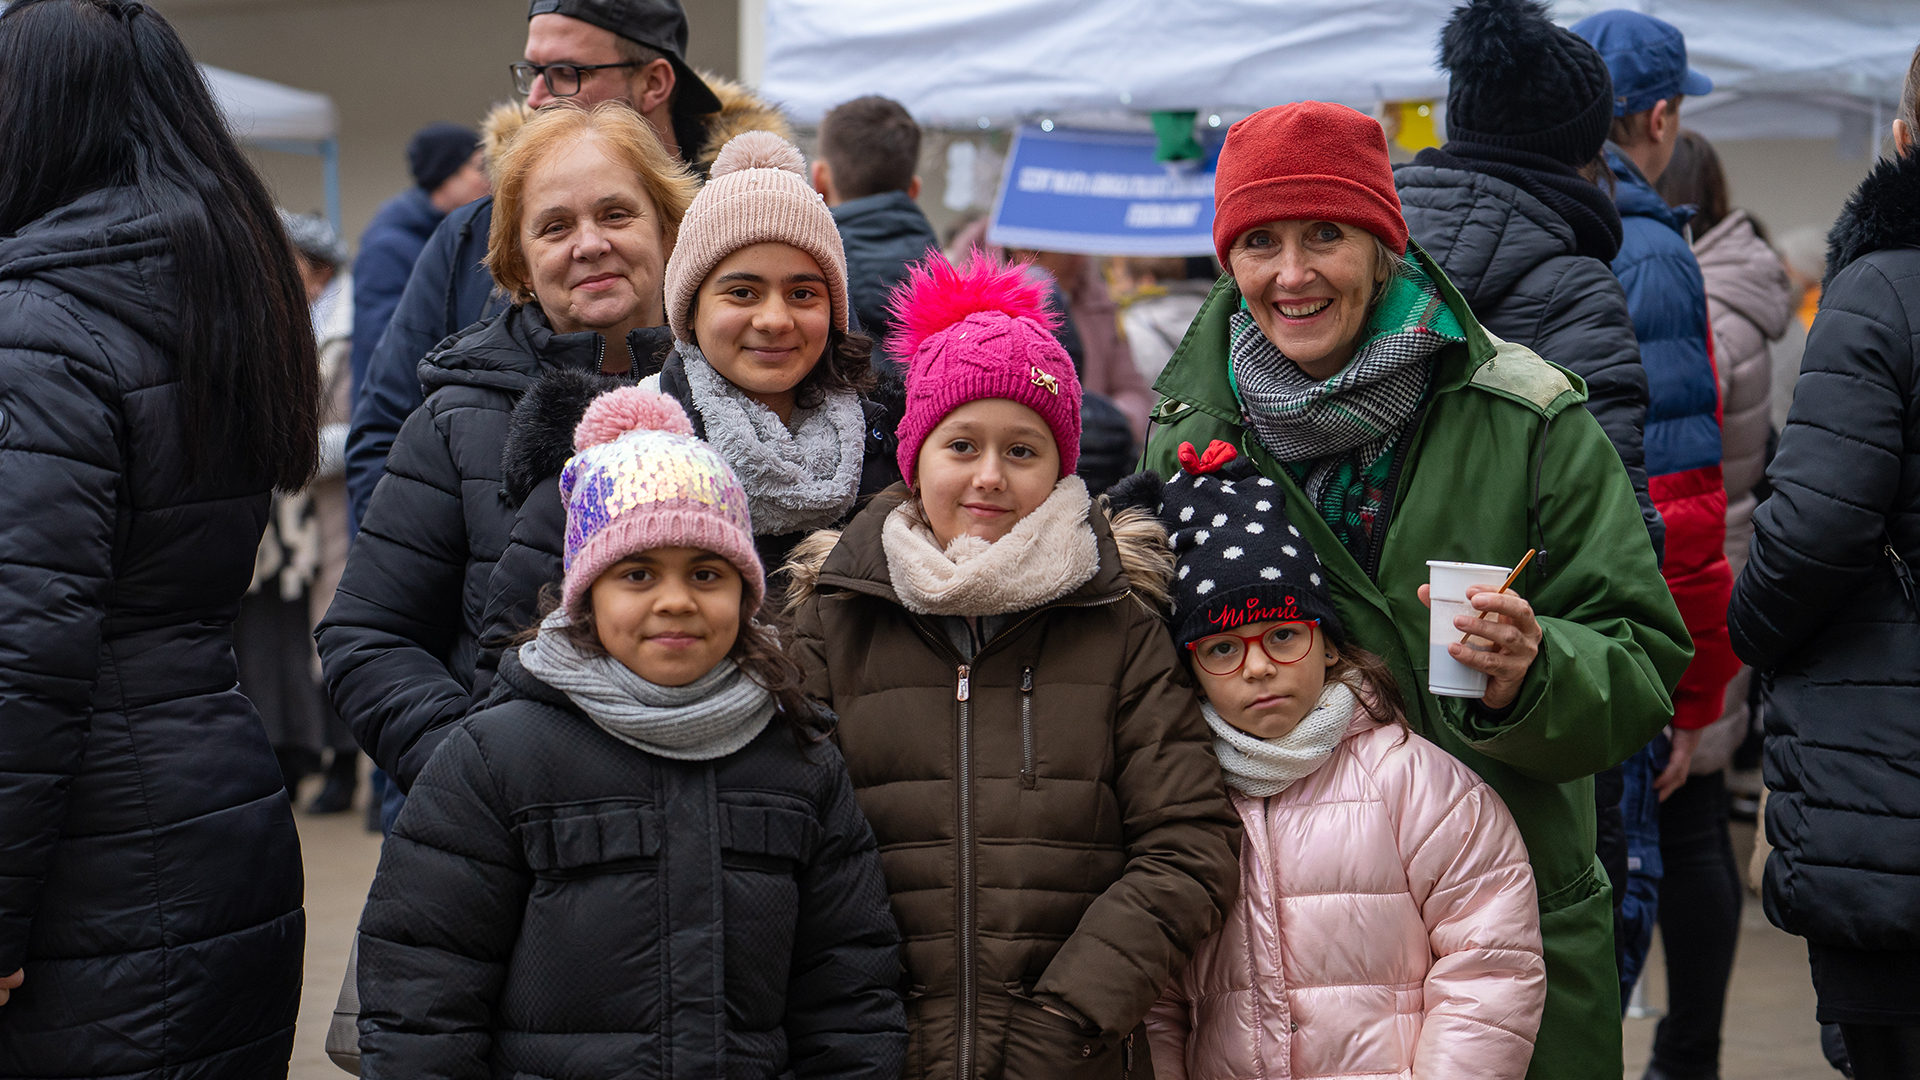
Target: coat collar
{"x": 1883, "y": 213}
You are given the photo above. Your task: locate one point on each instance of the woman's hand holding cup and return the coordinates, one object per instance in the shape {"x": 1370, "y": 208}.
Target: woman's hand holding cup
{"x": 1508, "y": 640}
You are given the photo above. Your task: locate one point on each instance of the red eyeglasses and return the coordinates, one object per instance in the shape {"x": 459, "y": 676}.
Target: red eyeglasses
{"x": 1224, "y": 654}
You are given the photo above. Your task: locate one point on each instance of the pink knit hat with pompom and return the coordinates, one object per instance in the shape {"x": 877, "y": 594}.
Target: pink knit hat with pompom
{"x": 980, "y": 330}
{"x": 640, "y": 481}
{"x": 756, "y": 192}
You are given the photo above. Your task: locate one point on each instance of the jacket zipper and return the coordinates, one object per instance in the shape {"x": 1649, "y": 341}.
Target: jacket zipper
{"x": 1027, "y": 779}
{"x": 969, "y": 982}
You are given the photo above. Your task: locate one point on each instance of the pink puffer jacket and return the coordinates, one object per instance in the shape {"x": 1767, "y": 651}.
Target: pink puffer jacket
{"x": 1386, "y": 927}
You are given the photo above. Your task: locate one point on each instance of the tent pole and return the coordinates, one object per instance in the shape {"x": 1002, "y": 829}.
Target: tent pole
{"x": 330, "y": 162}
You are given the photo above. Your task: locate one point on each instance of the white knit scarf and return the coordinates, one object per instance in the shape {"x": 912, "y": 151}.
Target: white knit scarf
{"x": 1047, "y": 554}
{"x": 713, "y": 716}
{"x": 1262, "y": 767}
{"x": 800, "y": 475}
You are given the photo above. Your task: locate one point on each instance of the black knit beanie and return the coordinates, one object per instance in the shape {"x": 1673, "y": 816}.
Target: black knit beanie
{"x": 1519, "y": 82}
{"x": 437, "y": 152}
{"x": 1240, "y": 560}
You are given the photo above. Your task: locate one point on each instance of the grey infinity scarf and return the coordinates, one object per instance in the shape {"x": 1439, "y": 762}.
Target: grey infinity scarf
{"x": 805, "y": 475}
{"x": 1262, "y": 767}
{"x": 711, "y": 717}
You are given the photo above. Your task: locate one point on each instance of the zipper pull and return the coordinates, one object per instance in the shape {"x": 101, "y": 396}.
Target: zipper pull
{"x": 965, "y": 689}
{"x": 1900, "y": 571}
{"x": 1026, "y": 680}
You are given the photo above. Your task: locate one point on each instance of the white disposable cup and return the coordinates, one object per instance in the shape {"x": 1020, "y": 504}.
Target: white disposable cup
{"x": 1448, "y": 581}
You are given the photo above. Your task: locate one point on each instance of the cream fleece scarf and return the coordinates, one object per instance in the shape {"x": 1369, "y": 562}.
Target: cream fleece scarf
{"x": 1262, "y": 767}
{"x": 1048, "y": 554}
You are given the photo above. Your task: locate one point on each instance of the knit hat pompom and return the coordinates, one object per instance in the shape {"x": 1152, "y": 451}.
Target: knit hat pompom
{"x": 976, "y": 331}
{"x": 629, "y": 408}
{"x": 938, "y": 294}
{"x": 1518, "y": 81}
{"x": 1494, "y": 38}
{"x": 758, "y": 150}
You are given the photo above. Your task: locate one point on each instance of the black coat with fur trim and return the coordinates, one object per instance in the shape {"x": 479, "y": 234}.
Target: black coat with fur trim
{"x": 1820, "y": 607}
{"x": 539, "y": 442}
{"x": 400, "y": 645}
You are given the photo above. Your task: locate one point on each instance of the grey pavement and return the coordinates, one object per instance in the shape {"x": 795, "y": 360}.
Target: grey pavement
{"x": 1770, "y": 1031}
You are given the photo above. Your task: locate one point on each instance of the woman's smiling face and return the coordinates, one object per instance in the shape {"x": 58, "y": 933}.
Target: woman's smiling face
{"x": 595, "y": 246}
{"x": 1309, "y": 286}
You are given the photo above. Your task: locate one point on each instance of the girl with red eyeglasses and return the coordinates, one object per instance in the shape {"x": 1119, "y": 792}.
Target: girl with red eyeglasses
{"x": 1387, "y": 923}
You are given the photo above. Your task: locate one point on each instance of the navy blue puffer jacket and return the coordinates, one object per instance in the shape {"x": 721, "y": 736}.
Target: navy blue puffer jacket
{"x": 150, "y": 879}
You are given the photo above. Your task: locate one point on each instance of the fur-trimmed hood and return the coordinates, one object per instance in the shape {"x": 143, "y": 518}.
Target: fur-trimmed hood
{"x": 1882, "y": 213}
{"x": 741, "y": 110}
{"x": 1143, "y": 563}
{"x": 540, "y": 433}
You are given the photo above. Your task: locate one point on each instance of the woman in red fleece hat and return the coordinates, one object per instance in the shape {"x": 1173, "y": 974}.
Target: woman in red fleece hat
{"x": 1336, "y": 355}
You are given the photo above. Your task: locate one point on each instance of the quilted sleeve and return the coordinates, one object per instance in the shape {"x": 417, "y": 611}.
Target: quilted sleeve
{"x": 385, "y": 642}
{"x": 59, "y": 477}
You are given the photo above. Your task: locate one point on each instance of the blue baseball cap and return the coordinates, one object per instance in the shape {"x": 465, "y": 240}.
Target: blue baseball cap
{"x": 1647, "y": 58}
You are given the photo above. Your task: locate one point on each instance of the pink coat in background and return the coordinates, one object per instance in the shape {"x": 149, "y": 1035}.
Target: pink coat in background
{"x": 1387, "y": 927}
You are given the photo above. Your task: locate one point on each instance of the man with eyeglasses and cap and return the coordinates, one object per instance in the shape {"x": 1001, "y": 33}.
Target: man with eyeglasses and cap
{"x": 585, "y": 51}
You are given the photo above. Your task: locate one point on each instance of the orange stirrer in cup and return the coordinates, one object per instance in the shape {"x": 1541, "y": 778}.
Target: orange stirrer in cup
{"x": 1511, "y": 578}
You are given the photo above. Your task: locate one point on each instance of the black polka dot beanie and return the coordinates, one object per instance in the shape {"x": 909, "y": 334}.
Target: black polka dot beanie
{"x": 1240, "y": 560}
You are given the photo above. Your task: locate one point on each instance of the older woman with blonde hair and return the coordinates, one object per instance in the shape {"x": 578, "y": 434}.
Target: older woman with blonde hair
{"x": 1338, "y": 357}
{"x": 587, "y": 208}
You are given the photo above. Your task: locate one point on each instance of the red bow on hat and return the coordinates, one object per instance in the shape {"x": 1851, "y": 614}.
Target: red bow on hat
{"x": 1218, "y": 454}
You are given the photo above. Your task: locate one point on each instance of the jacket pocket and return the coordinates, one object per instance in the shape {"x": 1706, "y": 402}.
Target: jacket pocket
{"x": 767, "y": 838}
{"x": 580, "y": 840}
{"x": 1041, "y": 1045}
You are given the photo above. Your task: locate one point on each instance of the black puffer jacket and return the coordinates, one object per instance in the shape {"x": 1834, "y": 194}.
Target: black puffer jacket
{"x": 401, "y": 642}
{"x": 149, "y": 871}
{"x": 1819, "y": 608}
{"x": 1514, "y": 260}
{"x": 556, "y": 903}
{"x": 539, "y": 442}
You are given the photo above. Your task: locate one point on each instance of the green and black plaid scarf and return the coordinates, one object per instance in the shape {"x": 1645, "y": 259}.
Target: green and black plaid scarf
{"x": 1336, "y": 437}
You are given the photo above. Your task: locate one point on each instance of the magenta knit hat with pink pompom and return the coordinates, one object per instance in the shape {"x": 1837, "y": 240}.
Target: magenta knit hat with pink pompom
{"x": 976, "y": 331}
{"x": 640, "y": 481}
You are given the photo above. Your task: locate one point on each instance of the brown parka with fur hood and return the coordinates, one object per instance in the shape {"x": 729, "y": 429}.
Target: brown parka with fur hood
{"x": 1050, "y": 813}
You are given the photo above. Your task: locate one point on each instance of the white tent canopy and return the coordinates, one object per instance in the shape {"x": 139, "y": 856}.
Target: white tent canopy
{"x": 274, "y": 117}
{"x": 258, "y": 110}
{"x": 1782, "y": 68}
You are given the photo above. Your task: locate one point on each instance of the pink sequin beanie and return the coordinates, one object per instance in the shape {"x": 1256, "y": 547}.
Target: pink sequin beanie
{"x": 756, "y": 192}
{"x": 640, "y": 480}
{"x": 975, "y": 331}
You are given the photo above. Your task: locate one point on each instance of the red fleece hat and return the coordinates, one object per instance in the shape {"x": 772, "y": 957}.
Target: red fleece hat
{"x": 1308, "y": 160}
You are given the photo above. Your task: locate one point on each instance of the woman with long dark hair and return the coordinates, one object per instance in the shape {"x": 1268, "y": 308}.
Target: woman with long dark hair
{"x": 157, "y": 381}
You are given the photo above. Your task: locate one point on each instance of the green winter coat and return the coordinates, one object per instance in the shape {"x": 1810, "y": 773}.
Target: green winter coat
{"x": 1613, "y": 646}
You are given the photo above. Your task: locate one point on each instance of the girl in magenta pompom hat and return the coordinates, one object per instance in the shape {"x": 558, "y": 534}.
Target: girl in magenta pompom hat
{"x": 1024, "y": 741}
{"x": 622, "y": 866}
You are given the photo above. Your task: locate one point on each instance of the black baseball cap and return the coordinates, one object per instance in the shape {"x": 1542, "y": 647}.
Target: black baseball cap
{"x": 660, "y": 25}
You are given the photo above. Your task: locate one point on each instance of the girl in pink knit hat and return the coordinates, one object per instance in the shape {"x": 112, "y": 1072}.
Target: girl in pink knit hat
{"x": 1051, "y": 818}
{"x": 764, "y": 359}
{"x": 642, "y": 859}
